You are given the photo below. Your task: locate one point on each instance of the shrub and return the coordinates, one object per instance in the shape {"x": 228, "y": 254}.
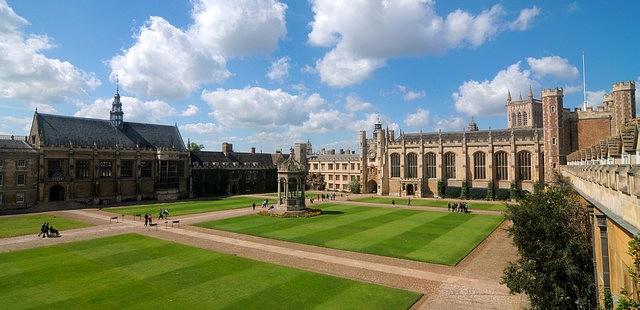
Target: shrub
{"x": 452, "y": 192}
{"x": 491, "y": 194}
{"x": 501, "y": 194}
{"x": 441, "y": 188}
{"x": 464, "y": 190}
{"x": 354, "y": 186}
{"x": 477, "y": 193}
{"x": 513, "y": 191}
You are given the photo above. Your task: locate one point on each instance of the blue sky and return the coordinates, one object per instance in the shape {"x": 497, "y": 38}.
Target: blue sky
{"x": 268, "y": 73}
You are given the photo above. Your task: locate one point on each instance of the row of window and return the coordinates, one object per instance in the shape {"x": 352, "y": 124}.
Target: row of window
{"x": 19, "y": 198}
{"x": 20, "y": 179}
{"x": 519, "y": 119}
{"x": 330, "y": 166}
{"x": 501, "y": 161}
{"x": 20, "y": 163}
{"x": 105, "y": 169}
{"x": 338, "y": 186}
{"x": 344, "y": 177}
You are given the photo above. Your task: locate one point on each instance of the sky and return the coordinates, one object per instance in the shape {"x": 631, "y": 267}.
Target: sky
{"x": 269, "y": 73}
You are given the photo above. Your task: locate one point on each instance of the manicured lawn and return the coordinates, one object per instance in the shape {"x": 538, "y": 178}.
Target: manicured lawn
{"x": 311, "y": 194}
{"x": 19, "y": 225}
{"x": 137, "y": 272}
{"x": 436, "y": 237}
{"x": 493, "y": 206}
{"x": 189, "y": 207}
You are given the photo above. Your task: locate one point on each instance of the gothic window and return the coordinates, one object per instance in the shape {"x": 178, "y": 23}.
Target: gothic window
{"x": 412, "y": 165}
{"x": 82, "y": 169}
{"x": 519, "y": 121}
{"x": 126, "y": 169}
{"x": 502, "y": 167}
{"x": 450, "y": 165}
{"x": 524, "y": 165}
{"x": 55, "y": 170}
{"x": 430, "y": 165}
{"x": 170, "y": 172}
{"x": 395, "y": 165}
{"x": 106, "y": 169}
{"x": 479, "y": 171}
{"x": 145, "y": 169}
{"x": 513, "y": 119}
{"x": 524, "y": 118}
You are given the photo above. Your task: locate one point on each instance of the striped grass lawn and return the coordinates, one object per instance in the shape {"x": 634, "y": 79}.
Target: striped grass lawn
{"x": 18, "y": 225}
{"x": 189, "y": 207}
{"x": 435, "y": 237}
{"x": 491, "y": 206}
{"x": 136, "y": 272}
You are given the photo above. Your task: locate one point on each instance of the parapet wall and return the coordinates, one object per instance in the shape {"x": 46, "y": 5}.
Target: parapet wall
{"x": 613, "y": 189}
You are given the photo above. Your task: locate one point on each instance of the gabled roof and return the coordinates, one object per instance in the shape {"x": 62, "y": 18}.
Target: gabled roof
{"x": 263, "y": 159}
{"x": 58, "y": 130}
{"x": 15, "y": 146}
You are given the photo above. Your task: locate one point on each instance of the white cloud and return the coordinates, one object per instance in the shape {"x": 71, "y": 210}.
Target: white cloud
{"x": 525, "y": 18}
{"x": 27, "y": 74}
{"x": 279, "y": 69}
{"x": 353, "y": 104}
{"x": 411, "y": 95}
{"x": 364, "y": 34}
{"x": 10, "y": 124}
{"x": 190, "y": 111}
{"x": 453, "y": 123}
{"x": 256, "y": 107}
{"x": 201, "y": 128}
{"x": 324, "y": 121}
{"x": 554, "y": 66}
{"x": 170, "y": 63}
{"x": 369, "y": 120}
{"x": 570, "y": 89}
{"x": 573, "y": 7}
{"x": 594, "y": 98}
{"x": 135, "y": 110}
{"x": 419, "y": 118}
{"x": 489, "y": 97}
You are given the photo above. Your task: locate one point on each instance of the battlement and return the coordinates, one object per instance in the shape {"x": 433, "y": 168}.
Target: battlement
{"x": 552, "y": 92}
{"x": 625, "y": 85}
{"x": 607, "y": 97}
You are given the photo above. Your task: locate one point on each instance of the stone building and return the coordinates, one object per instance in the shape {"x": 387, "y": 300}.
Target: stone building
{"x": 104, "y": 161}
{"x": 229, "y": 173}
{"x": 18, "y": 173}
{"x": 540, "y": 135}
{"x": 337, "y": 170}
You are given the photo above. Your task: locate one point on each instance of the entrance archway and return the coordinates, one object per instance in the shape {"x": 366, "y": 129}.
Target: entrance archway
{"x": 372, "y": 186}
{"x": 56, "y": 193}
{"x": 410, "y": 190}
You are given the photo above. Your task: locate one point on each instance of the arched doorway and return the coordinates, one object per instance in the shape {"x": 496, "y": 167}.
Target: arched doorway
{"x": 56, "y": 193}
{"x": 372, "y": 186}
{"x": 410, "y": 189}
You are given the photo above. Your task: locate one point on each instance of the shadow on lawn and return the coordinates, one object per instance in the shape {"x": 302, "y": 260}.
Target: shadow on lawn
{"x": 332, "y": 212}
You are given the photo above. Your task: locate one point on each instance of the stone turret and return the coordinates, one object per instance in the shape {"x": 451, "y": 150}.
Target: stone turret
{"x": 552, "y": 109}
{"x": 624, "y": 104}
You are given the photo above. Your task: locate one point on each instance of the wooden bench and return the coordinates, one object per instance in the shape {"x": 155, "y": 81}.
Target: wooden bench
{"x": 114, "y": 218}
{"x": 177, "y": 222}
{"x": 153, "y": 225}
{"x": 137, "y": 216}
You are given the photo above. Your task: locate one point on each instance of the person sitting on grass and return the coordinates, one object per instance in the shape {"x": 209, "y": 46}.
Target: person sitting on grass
{"x": 53, "y": 232}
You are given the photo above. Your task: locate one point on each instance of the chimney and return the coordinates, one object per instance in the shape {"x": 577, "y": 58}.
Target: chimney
{"x": 341, "y": 151}
{"x": 253, "y": 150}
{"x": 227, "y": 148}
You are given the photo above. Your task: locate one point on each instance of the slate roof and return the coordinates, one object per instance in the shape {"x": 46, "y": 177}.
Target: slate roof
{"x": 263, "y": 159}
{"x": 58, "y": 130}
{"x": 334, "y": 157}
{"x": 15, "y": 146}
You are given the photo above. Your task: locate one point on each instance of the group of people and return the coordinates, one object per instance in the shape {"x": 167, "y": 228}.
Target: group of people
{"x": 147, "y": 219}
{"x": 48, "y": 231}
{"x": 458, "y": 207}
{"x": 163, "y": 214}
{"x": 324, "y": 197}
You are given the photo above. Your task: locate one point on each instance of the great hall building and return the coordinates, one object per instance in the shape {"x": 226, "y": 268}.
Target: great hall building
{"x": 539, "y": 136}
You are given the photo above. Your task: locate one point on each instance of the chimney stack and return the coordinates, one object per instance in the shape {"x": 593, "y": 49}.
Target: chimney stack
{"x": 227, "y": 148}
{"x": 253, "y": 150}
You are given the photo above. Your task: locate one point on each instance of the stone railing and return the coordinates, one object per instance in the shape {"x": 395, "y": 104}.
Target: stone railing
{"x": 615, "y": 189}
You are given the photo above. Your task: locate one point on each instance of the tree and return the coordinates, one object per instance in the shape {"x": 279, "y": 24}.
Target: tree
{"x": 354, "y": 186}
{"x": 464, "y": 190}
{"x": 194, "y": 147}
{"x": 555, "y": 266}
{"x": 441, "y": 188}
{"x": 490, "y": 190}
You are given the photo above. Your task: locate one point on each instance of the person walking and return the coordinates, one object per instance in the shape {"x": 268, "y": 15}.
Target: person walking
{"x": 43, "y": 229}
{"x": 393, "y": 202}
{"x": 409, "y": 203}
{"x": 146, "y": 219}
{"x": 253, "y": 206}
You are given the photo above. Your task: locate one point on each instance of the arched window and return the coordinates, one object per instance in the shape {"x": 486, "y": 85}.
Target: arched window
{"x": 395, "y": 165}
{"x": 412, "y": 165}
{"x": 519, "y": 122}
{"x": 524, "y": 165}
{"x": 479, "y": 166}
{"x": 430, "y": 165}
{"x": 502, "y": 166}
{"x": 513, "y": 119}
{"x": 524, "y": 118}
{"x": 450, "y": 165}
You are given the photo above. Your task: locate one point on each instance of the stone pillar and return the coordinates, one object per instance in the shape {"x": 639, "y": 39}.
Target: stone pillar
{"x": 279, "y": 190}
{"x": 601, "y": 220}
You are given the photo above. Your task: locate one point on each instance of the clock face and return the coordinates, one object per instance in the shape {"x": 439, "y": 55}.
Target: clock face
{"x": 372, "y": 154}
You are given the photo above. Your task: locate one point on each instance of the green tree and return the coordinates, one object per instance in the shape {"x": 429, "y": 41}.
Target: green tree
{"x": 555, "y": 266}
{"x": 354, "y": 186}
{"x": 491, "y": 190}
{"x": 513, "y": 191}
{"x": 195, "y": 147}
{"x": 441, "y": 188}
{"x": 464, "y": 190}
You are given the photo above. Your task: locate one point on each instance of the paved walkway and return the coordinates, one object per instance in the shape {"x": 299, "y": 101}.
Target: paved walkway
{"x": 474, "y": 283}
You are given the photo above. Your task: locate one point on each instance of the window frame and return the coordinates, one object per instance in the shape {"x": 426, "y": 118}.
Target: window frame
{"x": 129, "y": 169}
{"x": 430, "y": 165}
{"x": 450, "y": 165}
{"x": 412, "y": 165}
{"x": 22, "y": 196}
{"x": 102, "y": 167}
{"x": 479, "y": 165}
{"x": 502, "y": 165}
{"x": 83, "y": 171}
{"x": 523, "y": 160}
{"x": 395, "y": 165}
{"x": 24, "y": 179}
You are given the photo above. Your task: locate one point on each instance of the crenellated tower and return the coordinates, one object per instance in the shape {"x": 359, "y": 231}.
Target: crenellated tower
{"x": 554, "y": 149}
{"x": 624, "y": 104}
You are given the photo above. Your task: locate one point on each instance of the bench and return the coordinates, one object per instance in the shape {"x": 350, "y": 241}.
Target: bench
{"x": 177, "y": 222}
{"x": 114, "y": 218}
{"x": 137, "y": 216}
{"x": 154, "y": 225}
